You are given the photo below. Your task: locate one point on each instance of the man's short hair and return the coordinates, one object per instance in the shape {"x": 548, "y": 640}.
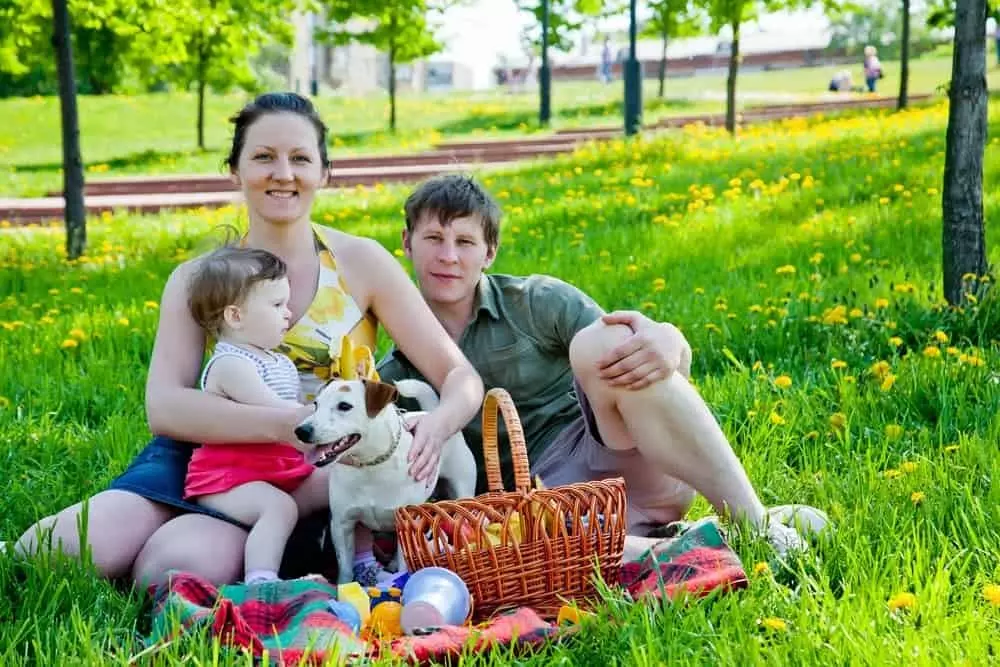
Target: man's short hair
{"x": 225, "y": 277}
{"x": 451, "y": 196}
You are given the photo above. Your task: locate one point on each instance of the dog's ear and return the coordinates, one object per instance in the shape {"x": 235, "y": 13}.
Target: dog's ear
{"x": 378, "y": 395}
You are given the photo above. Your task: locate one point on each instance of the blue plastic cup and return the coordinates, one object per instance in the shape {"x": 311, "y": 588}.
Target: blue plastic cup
{"x": 434, "y": 597}
{"x": 346, "y": 612}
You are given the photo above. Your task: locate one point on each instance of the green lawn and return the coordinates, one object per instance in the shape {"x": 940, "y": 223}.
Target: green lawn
{"x": 807, "y": 251}
{"x": 155, "y": 133}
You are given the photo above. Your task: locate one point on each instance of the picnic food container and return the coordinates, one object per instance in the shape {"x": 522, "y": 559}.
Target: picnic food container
{"x": 530, "y": 547}
{"x": 434, "y": 597}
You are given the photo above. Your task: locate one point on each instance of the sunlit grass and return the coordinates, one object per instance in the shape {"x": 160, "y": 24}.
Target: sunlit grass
{"x": 803, "y": 263}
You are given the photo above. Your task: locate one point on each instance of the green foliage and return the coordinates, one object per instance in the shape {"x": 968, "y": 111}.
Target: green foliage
{"x": 855, "y": 26}
{"x": 671, "y": 19}
{"x": 399, "y": 28}
{"x": 148, "y": 41}
{"x": 566, "y": 18}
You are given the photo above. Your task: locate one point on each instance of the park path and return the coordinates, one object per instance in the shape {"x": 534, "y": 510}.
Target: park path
{"x": 150, "y": 194}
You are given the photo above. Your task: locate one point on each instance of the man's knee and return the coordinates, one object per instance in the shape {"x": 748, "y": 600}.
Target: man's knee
{"x": 592, "y": 343}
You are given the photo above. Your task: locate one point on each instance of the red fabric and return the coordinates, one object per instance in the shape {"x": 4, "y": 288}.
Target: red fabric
{"x": 286, "y": 618}
{"x": 698, "y": 572}
{"x": 219, "y": 468}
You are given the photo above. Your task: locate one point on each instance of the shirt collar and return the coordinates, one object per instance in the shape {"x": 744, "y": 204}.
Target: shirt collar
{"x": 486, "y": 297}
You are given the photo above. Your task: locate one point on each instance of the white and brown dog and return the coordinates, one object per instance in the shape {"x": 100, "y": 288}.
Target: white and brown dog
{"x": 358, "y": 428}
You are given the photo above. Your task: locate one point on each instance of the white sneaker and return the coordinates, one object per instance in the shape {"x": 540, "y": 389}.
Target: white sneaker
{"x": 785, "y": 539}
{"x": 3, "y": 547}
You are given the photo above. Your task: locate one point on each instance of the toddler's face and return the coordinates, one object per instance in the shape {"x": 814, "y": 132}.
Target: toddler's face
{"x": 264, "y": 316}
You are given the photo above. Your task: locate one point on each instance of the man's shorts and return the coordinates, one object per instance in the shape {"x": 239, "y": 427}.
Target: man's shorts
{"x": 577, "y": 454}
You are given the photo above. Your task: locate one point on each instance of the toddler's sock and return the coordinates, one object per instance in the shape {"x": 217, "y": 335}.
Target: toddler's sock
{"x": 261, "y": 576}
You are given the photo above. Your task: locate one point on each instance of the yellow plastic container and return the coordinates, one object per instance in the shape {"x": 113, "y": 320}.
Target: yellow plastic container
{"x": 357, "y": 597}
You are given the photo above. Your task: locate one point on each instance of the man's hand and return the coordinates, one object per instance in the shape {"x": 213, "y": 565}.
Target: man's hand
{"x": 650, "y": 354}
{"x": 428, "y": 441}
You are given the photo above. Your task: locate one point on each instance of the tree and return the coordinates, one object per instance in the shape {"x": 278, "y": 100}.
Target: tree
{"x": 732, "y": 14}
{"x": 964, "y": 233}
{"x": 904, "y": 58}
{"x": 203, "y": 43}
{"x": 73, "y": 211}
{"x": 398, "y": 28}
{"x": 671, "y": 19}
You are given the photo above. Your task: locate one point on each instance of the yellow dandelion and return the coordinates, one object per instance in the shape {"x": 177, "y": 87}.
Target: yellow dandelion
{"x": 879, "y": 369}
{"x": 991, "y": 592}
{"x": 774, "y": 624}
{"x": 893, "y": 431}
{"x": 838, "y": 420}
{"x": 917, "y": 497}
{"x": 950, "y": 449}
{"x": 777, "y": 419}
{"x": 787, "y": 269}
{"x": 838, "y": 364}
{"x": 152, "y": 305}
{"x": 940, "y": 336}
{"x": 123, "y": 321}
{"x": 888, "y": 381}
{"x": 932, "y": 352}
{"x": 761, "y": 568}
{"x": 78, "y": 334}
{"x": 782, "y": 382}
{"x": 881, "y": 304}
{"x": 902, "y": 601}
{"x": 69, "y": 344}
{"x": 4, "y": 402}
{"x": 892, "y": 473}
{"x": 895, "y": 341}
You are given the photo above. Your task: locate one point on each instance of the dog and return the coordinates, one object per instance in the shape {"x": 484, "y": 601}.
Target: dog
{"x": 359, "y": 430}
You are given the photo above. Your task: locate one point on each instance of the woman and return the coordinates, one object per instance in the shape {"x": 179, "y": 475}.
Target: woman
{"x": 341, "y": 286}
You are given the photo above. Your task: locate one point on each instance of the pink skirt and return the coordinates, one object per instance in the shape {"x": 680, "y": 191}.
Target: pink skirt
{"x": 219, "y": 468}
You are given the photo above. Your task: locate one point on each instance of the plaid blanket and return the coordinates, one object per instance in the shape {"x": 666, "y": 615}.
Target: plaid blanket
{"x": 289, "y": 622}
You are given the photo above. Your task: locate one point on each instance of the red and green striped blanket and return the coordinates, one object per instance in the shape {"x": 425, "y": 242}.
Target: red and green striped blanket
{"x": 288, "y": 622}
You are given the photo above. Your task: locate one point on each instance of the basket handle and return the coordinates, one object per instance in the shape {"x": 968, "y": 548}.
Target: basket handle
{"x": 497, "y": 399}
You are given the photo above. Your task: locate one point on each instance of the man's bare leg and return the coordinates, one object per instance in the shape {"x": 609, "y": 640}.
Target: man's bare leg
{"x": 670, "y": 425}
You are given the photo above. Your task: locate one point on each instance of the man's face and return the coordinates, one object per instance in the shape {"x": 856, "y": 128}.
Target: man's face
{"x": 448, "y": 259}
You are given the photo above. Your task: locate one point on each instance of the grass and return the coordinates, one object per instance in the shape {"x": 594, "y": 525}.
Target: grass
{"x": 803, "y": 263}
{"x": 155, "y": 133}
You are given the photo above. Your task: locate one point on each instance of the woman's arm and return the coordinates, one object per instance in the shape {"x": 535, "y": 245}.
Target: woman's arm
{"x": 175, "y": 408}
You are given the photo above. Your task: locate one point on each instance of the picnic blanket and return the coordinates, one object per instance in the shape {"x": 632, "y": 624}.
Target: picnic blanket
{"x": 289, "y": 622}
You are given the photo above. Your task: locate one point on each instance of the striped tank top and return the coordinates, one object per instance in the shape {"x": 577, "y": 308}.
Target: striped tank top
{"x": 275, "y": 369}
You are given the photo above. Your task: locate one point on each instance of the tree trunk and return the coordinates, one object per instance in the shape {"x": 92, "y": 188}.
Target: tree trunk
{"x": 392, "y": 87}
{"x": 201, "y": 73}
{"x": 964, "y": 233}
{"x": 734, "y": 63}
{"x": 74, "y": 212}
{"x": 904, "y": 59}
{"x": 663, "y": 64}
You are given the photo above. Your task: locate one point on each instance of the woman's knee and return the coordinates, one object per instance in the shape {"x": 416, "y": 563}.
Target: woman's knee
{"x": 116, "y": 525}
{"x": 195, "y": 543}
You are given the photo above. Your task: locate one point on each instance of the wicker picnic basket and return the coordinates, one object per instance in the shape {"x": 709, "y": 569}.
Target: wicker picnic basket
{"x": 528, "y": 547}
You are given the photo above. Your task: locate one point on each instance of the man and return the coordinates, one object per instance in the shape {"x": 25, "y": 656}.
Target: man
{"x": 599, "y": 394}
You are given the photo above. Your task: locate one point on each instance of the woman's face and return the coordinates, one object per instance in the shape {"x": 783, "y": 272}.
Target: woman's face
{"x": 279, "y": 168}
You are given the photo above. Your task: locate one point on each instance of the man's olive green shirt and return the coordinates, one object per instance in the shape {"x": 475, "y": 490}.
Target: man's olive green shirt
{"x": 518, "y": 339}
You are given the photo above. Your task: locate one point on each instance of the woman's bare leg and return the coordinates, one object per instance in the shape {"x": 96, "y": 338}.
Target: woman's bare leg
{"x": 197, "y": 543}
{"x": 118, "y": 524}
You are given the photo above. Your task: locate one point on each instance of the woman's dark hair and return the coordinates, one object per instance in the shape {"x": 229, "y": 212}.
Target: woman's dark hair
{"x": 274, "y": 103}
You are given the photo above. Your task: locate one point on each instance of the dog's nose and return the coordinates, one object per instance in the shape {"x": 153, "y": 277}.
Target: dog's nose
{"x": 304, "y": 432}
